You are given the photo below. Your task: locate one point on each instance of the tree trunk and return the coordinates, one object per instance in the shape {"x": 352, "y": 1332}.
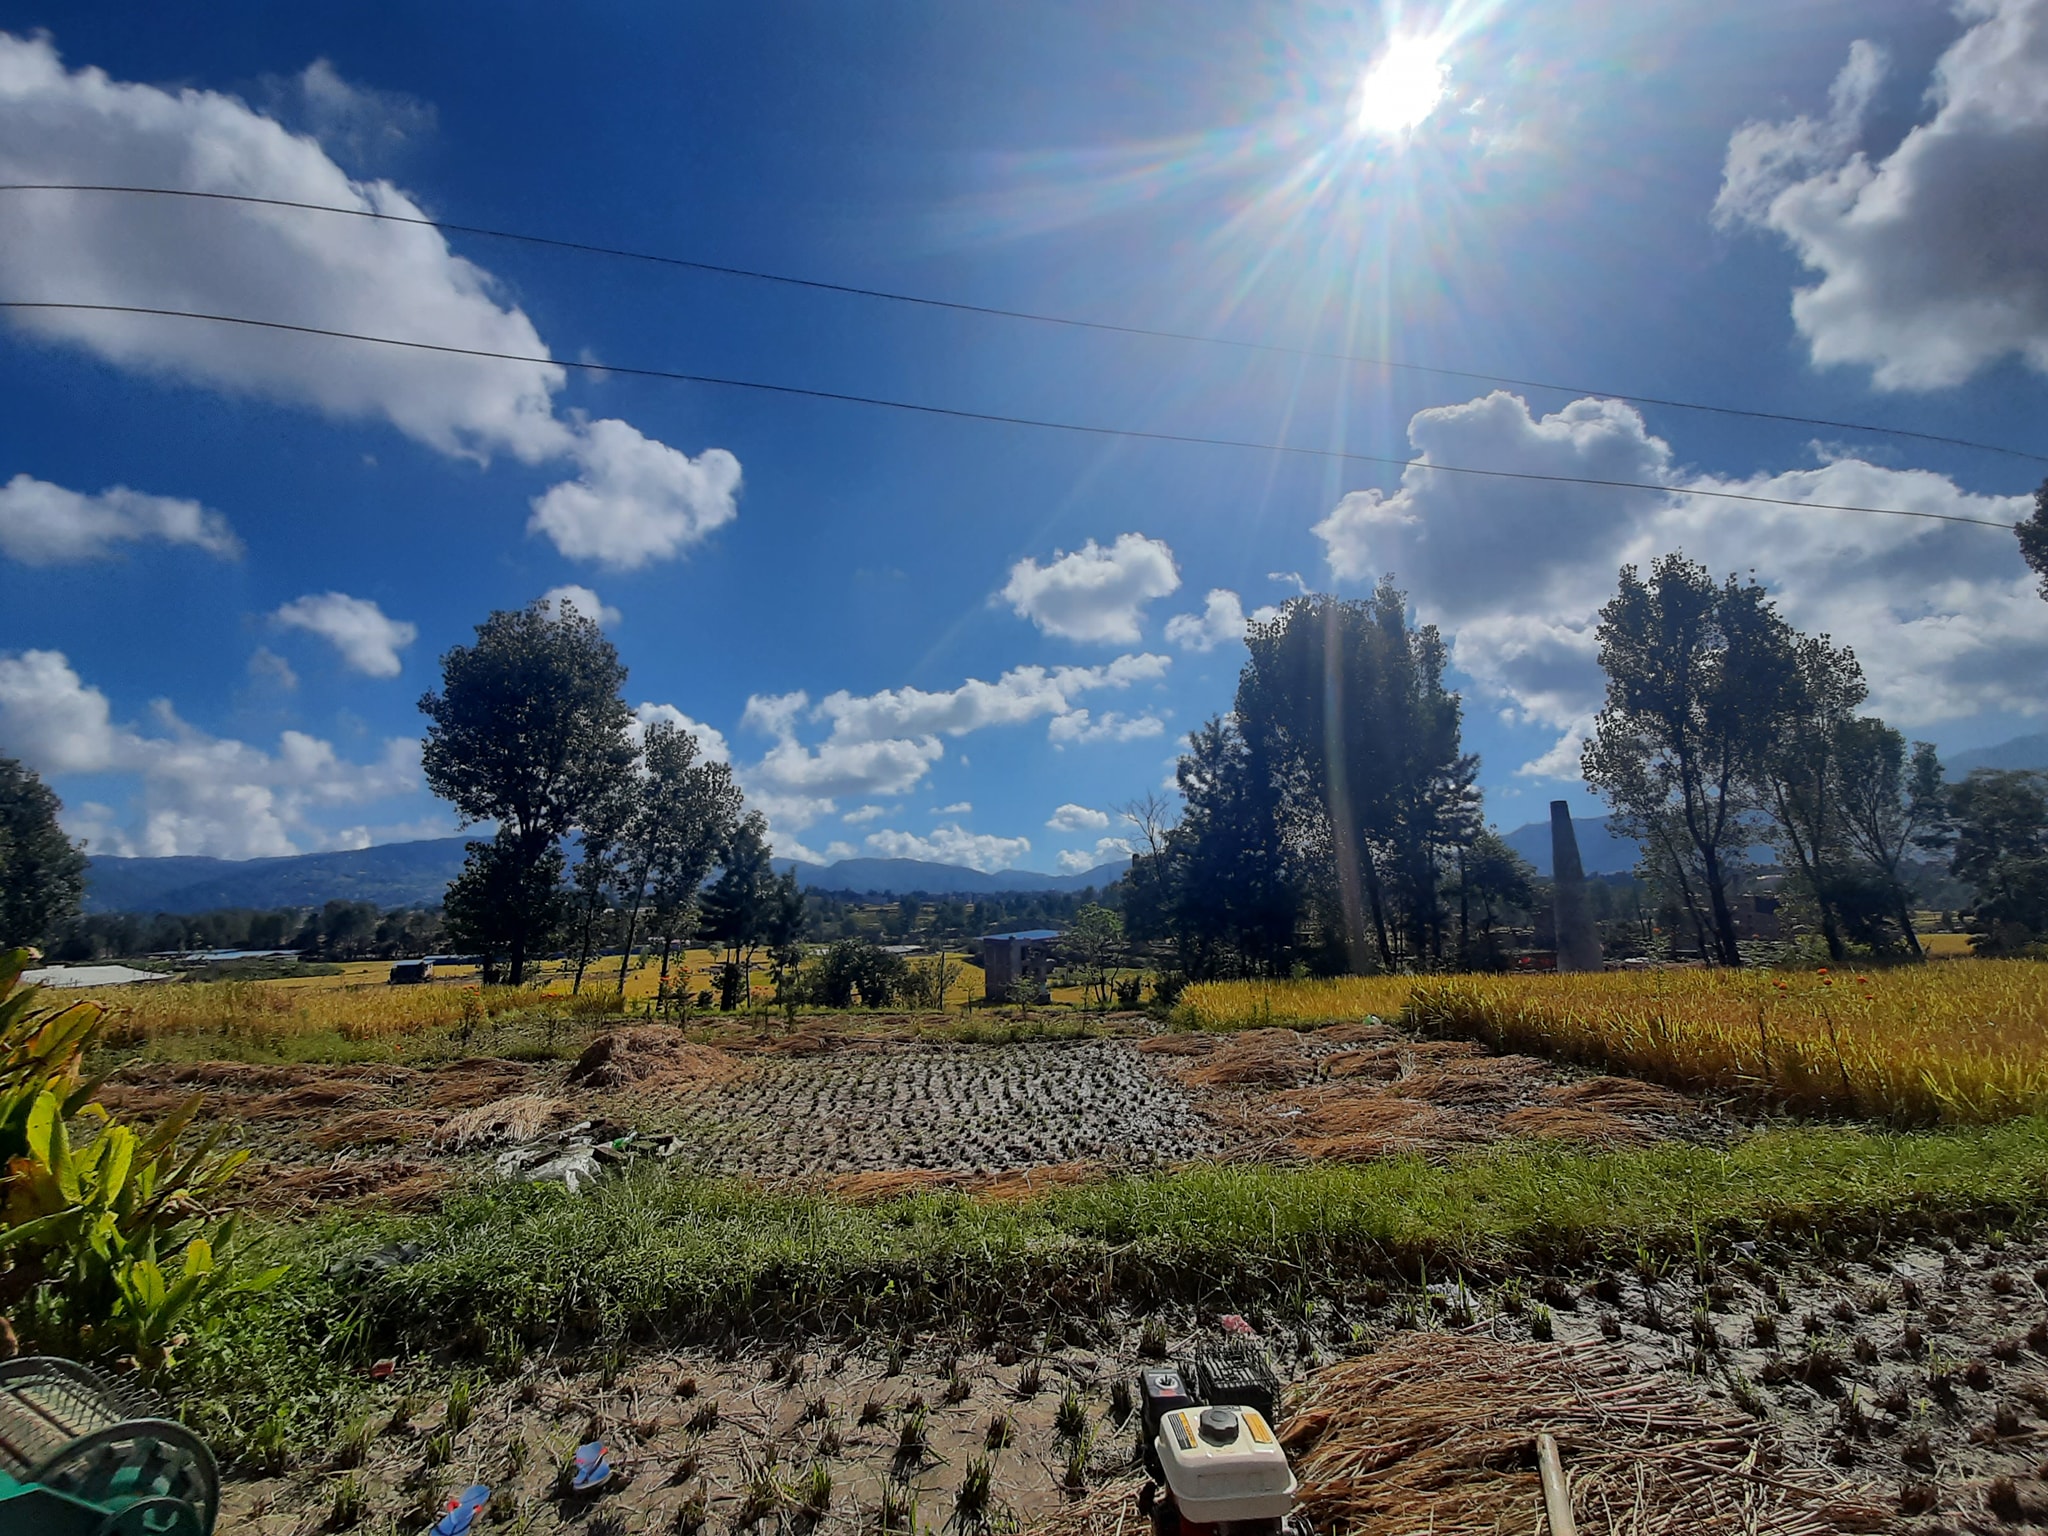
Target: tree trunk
{"x": 1724, "y": 915}
{"x": 1905, "y": 915}
{"x": 632, "y": 925}
{"x": 1369, "y": 867}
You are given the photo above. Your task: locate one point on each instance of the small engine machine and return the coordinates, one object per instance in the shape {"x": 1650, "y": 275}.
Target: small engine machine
{"x": 1216, "y": 1464}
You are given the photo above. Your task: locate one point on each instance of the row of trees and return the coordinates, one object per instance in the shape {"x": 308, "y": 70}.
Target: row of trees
{"x": 1330, "y": 821}
{"x": 530, "y": 730}
{"x": 1725, "y": 727}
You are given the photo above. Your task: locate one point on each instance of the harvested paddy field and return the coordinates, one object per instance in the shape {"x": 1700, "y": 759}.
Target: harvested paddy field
{"x": 858, "y": 1273}
{"x": 874, "y": 1112}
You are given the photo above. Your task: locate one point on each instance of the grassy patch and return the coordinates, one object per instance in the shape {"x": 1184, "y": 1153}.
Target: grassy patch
{"x": 662, "y": 1256}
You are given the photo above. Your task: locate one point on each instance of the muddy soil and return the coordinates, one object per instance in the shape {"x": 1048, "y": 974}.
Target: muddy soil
{"x": 1922, "y": 1372}
{"x": 732, "y": 1443}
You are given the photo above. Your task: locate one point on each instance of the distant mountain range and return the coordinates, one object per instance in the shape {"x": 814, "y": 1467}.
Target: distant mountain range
{"x": 417, "y": 874}
{"x": 1600, "y": 850}
{"x": 2020, "y": 752}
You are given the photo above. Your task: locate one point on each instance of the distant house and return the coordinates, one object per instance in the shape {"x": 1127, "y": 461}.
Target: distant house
{"x": 1010, "y": 960}
{"x": 410, "y": 973}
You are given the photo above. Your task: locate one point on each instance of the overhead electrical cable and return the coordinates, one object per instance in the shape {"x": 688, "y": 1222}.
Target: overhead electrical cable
{"x": 961, "y": 414}
{"x": 1033, "y": 317}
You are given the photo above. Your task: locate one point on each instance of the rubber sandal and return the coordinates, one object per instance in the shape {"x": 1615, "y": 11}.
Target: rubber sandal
{"x": 593, "y": 1468}
{"x": 463, "y": 1510}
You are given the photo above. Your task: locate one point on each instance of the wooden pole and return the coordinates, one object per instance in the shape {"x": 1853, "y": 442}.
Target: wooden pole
{"x": 1557, "y": 1499}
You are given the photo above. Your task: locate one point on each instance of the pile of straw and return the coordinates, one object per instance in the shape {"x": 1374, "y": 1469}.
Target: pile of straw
{"x": 1436, "y": 1433}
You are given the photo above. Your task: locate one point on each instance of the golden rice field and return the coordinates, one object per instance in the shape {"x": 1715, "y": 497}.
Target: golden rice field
{"x": 266, "y": 1012}
{"x": 1963, "y": 1041}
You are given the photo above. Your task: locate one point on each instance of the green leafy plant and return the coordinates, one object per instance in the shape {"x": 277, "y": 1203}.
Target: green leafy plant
{"x": 118, "y": 1228}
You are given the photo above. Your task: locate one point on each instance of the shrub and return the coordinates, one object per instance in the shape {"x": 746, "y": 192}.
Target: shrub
{"x": 111, "y": 1238}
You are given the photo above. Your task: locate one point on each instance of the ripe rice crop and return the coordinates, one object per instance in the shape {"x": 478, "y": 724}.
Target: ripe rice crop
{"x": 1964, "y": 1041}
{"x": 1265, "y": 1004}
{"x": 262, "y": 1014}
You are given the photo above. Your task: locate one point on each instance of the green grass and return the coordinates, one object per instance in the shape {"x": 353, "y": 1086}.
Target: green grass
{"x": 662, "y": 1256}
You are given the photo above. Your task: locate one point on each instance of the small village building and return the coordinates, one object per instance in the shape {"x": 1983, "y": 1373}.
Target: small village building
{"x": 411, "y": 973}
{"x": 1014, "y": 965}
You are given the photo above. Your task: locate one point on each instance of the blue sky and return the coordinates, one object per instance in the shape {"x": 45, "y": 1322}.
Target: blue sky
{"x": 229, "y": 560}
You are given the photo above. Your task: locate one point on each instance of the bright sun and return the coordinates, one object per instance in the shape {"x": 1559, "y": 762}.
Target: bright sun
{"x": 1403, "y": 86}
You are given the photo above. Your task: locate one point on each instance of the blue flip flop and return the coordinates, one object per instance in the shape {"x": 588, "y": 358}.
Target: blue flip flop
{"x": 463, "y": 1510}
{"x": 593, "y": 1467}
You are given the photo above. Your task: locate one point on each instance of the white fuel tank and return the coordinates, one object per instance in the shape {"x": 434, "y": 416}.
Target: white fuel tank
{"x": 1224, "y": 1464}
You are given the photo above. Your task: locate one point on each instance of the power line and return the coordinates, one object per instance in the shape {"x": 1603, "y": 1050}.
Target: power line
{"x": 1032, "y": 316}
{"x": 960, "y": 414}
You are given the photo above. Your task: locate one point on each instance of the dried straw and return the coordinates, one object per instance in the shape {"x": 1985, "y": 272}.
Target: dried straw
{"x": 652, "y": 1057}
{"x": 1436, "y": 1433}
{"x": 1258, "y": 1058}
{"x": 521, "y": 1117}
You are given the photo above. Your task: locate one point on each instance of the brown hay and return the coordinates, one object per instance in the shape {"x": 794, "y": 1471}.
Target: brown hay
{"x": 1177, "y": 1044}
{"x": 1018, "y": 1184}
{"x": 1436, "y": 1432}
{"x": 877, "y": 1184}
{"x": 1360, "y": 1129}
{"x": 392, "y": 1184}
{"x": 1381, "y": 1065}
{"x": 1258, "y": 1058}
{"x": 308, "y": 1099}
{"x": 652, "y": 1056}
{"x": 142, "y": 1101}
{"x": 373, "y": 1128}
{"x": 1618, "y": 1096}
{"x": 474, "y": 1080}
{"x": 810, "y": 1040}
{"x": 1489, "y": 1080}
{"x": 520, "y": 1117}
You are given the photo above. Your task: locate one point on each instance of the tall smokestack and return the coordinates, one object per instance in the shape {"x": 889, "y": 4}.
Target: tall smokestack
{"x": 1578, "y": 941}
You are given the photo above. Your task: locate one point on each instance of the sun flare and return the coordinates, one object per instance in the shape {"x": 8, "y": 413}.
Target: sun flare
{"x": 1403, "y": 86}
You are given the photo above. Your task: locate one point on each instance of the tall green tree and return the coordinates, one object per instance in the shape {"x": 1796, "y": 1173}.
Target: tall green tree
{"x": 685, "y": 809}
{"x": 1492, "y": 881}
{"x": 1343, "y": 705}
{"x": 2000, "y": 827}
{"x": 42, "y": 872}
{"x": 1891, "y": 803}
{"x": 739, "y": 909}
{"x": 529, "y": 730}
{"x": 500, "y": 900}
{"x": 1799, "y": 774}
{"x": 1700, "y": 676}
{"x": 2033, "y": 534}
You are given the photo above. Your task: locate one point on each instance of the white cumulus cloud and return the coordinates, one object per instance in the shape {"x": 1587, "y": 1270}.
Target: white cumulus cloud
{"x": 1944, "y": 618}
{"x": 1075, "y": 861}
{"x": 1080, "y": 725}
{"x": 1220, "y": 621}
{"x": 637, "y": 500}
{"x": 1094, "y": 594}
{"x": 1932, "y": 261}
{"x": 952, "y": 845}
{"x": 1077, "y": 818}
{"x": 45, "y": 524}
{"x": 198, "y": 794}
{"x": 368, "y": 640}
{"x": 583, "y": 600}
{"x": 633, "y": 500}
{"x": 711, "y": 742}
